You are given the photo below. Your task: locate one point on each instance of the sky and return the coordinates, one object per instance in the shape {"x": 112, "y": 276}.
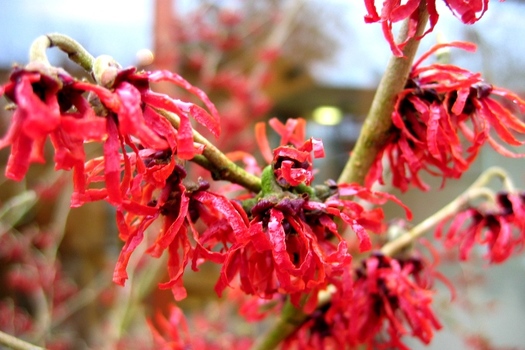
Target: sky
{"x": 116, "y": 27}
{"x": 120, "y": 28}
{"x": 364, "y": 52}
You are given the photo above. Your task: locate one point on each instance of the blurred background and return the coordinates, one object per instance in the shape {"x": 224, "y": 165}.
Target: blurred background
{"x": 285, "y": 58}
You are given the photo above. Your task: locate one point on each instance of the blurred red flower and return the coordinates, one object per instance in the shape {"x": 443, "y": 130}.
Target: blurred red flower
{"x": 394, "y": 11}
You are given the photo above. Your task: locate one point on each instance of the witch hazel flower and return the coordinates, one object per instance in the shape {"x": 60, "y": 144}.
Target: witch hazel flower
{"x": 441, "y": 120}
{"x": 292, "y": 159}
{"x": 281, "y": 252}
{"x": 384, "y": 301}
{"x": 500, "y": 228}
{"x": 179, "y": 206}
{"x": 387, "y": 297}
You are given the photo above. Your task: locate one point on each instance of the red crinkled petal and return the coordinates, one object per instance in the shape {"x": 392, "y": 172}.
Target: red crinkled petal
{"x": 318, "y": 148}
{"x": 495, "y": 115}
{"x": 18, "y": 162}
{"x": 38, "y": 118}
{"x": 131, "y": 119}
{"x": 295, "y": 176}
{"x": 467, "y": 11}
{"x": 92, "y": 129}
{"x": 170, "y": 233}
{"x": 372, "y": 15}
{"x": 225, "y": 207}
{"x": 161, "y": 126}
{"x": 292, "y": 153}
{"x": 262, "y": 142}
{"x": 365, "y": 244}
{"x": 185, "y": 149}
{"x": 502, "y": 244}
{"x": 112, "y": 162}
{"x": 211, "y": 122}
{"x": 133, "y": 240}
{"x": 293, "y": 132}
{"x": 107, "y": 97}
{"x": 401, "y": 12}
{"x": 470, "y": 47}
{"x": 278, "y": 239}
{"x": 179, "y": 254}
{"x": 229, "y": 269}
{"x": 204, "y": 118}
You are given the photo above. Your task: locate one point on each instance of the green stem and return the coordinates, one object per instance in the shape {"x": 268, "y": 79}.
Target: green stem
{"x": 376, "y": 128}
{"x": 76, "y": 52}
{"x": 476, "y": 190}
{"x": 289, "y": 321}
{"x": 216, "y": 162}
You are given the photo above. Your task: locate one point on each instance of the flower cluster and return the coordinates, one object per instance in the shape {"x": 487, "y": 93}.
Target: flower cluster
{"x": 284, "y": 240}
{"x": 500, "y": 228}
{"x": 441, "y": 107}
{"x": 394, "y": 11}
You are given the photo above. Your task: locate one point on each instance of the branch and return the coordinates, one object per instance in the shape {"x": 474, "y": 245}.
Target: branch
{"x": 376, "y": 128}
{"x": 216, "y": 162}
{"x": 16, "y": 344}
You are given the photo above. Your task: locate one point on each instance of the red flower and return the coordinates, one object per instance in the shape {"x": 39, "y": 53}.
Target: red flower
{"x": 438, "y": 101}
{"x": 281, "y": 253}
{"x": 180, "y": 206}
{"x": 293, "y": 245}
{"x": 386, "y": 291}
{"x": 43, "y": 101}
{"x": 394, "y": 11}
{"x": 292, "y": 160}
{"x": 387, "y": 295}
{"x": 501, "y": 229}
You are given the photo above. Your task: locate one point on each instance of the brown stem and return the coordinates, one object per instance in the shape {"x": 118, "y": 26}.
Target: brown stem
{"x": 375, "y": 131}
{"x": 216, "y": 162}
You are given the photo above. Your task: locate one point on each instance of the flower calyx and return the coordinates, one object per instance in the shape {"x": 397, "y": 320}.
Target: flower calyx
{"x": 105, "y": 70}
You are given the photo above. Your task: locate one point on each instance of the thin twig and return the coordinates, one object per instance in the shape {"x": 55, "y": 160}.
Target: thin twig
{"x": 391, "y": 248}
{"x": 76, "y": 52}
{"x": 16, "y": 343}
{"x": 476, "y": 190}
